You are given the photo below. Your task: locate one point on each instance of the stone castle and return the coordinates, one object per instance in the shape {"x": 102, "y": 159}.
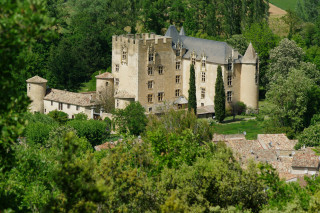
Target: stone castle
{"x": 154, "y": 70}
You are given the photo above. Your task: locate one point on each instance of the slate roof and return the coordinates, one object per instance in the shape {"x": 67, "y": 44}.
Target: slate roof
{"x": 36, "y": 79}
{"x": 182, "y": 32}
{"x": 79, "y": 99}
{"x": 307, "y": 158}
{"x": 105, "y": 75}
{"x": 215, "y": 51}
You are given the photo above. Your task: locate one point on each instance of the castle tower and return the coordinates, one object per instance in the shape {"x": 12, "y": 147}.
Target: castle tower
{"x": 104, "y": 86}
{"x": 36, "y": 90}
{"x": 249, "y": 80}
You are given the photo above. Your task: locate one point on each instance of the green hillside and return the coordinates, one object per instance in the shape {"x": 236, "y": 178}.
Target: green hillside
{"x": 285, "y": 4}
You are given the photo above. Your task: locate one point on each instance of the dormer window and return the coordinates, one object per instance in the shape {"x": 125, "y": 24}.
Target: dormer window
{"x": 229, "y": 65}
{"x": 178, "y": 52}
{"x": 203, "y": 63}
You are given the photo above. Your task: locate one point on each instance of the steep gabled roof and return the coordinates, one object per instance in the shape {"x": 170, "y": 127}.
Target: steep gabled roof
{"x": 36, "y": 79}
{"x": 105, "y": 75}
{"x": 250, "y": 57}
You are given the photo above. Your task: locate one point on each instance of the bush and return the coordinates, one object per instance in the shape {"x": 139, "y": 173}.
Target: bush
{"x": 60, "y": 117}
{"x": 240, "y": 108}
{"x": 81, "y": 116}
{"x": 39, "y": 117}
{"x": 94, "y": 131}
{"x": 38, "y": 132}
{"x": 315, "y": 119}
{"x": 310, "y": 137}
{"x": 131, "y": 119}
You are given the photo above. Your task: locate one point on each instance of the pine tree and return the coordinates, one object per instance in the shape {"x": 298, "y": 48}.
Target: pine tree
{"x": 220, "y": 97}
{"x": 192, "y": 103}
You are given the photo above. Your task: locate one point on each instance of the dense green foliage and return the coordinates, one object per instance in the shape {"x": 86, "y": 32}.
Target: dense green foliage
{"x": 81, "y": 116}
{"x": 219, "y": 97}
{"x": 94, "y": 131}
{"x": 59, "y": 116}
{"x": 174, "y": 166}
{"x": 192, "y": 97}
{"x": 132, "y": 119}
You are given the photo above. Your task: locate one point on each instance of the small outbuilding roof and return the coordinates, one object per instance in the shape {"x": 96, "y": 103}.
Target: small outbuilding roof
{"x": 205, "y": 110}
{"x": 79, "y": 99}
{"x": 306, "y": 158}
{"x": 181, "y": 100}
{"x": 36, "y": 79}
{"x": 124, "y": 94}
{"x": 105, "y": 75}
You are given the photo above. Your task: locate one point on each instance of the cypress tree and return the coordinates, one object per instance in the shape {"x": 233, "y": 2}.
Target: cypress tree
{"x": 220, "y": 97}
{"x": 192, "y": 103}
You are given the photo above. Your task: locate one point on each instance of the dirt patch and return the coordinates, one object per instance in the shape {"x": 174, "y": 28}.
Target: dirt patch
{"x": 273, "y": 10}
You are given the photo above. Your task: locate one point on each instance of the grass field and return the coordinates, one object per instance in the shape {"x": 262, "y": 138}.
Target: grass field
{"x": 285, "y": 4}
{"x": 251, "y": 127}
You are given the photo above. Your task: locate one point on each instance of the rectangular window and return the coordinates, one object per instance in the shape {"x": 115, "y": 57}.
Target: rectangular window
{"x": 160, "y": 69}
{"x": 77, "y": 107}
{"x": 29, "y": 87}
{"x": 256, "y": 77}
{"x": 203, "y": 76}
{"x": 193, "y": 61}
{"x": 60, "y": 107}
{"x": 51, "y": 103}
{"x": 150, "y": 56}
{"x": 229, "y": 66}
{"x": 117, "y": 81}
{"x": 150, "y": 84}
{"x": 229, "y": 96}
{"x": 150, "y": 71}
{"x": 203, "y": 64}
{"x": 68, "y": 106}
{"x": 150, "y": 98}
{"x": 72, "y": 116}
{"x": 124, "y": 55}
{"x": 229, "y": 80}
{"x": 177, "y": 79}
{"x": 118, "y": 103}
{"x": 45, "y": 110}
{"x": 117, "y": 67}
{"x": 178, "y": 65}
{"x": 177, "y": 92}
{"x": 202, "y": 104}
{"x": 178, "y": 52}
{"x": 150, "y": 109}
{"x": 160, "y": 96}
{"x": 203, "y": 93}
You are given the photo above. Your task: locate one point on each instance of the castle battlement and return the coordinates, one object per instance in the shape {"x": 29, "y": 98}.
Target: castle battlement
{"x": 134, "y": 39}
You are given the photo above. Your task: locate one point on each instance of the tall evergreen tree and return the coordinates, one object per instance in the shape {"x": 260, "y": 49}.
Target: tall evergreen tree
{"x": 220, "y": 97}
{"x": 192, "y": 103}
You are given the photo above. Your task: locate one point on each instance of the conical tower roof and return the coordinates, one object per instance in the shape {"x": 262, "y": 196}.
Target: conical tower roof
{"x": 182, "y": 32}
{"x": 173, "y": 33}
{"x": 250, "y": 57}
{"x": 36, "y": 79}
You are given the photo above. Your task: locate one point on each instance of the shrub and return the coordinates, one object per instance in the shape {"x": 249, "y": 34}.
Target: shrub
{"x": 94, "y": 131}
{"x": 60, "y": 117}
{"x": 240, "y": 108}
{"x": 81, "y": 116}
{"x": 38, "y": 132}
{"x": 39, "y": 117}
{"x": 310, "y": 137}
{"x": 315, "y": 119}
{"x": 131, "y": 119}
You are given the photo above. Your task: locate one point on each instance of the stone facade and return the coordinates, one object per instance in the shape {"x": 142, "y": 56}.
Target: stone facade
{"x": 154, "y": 70}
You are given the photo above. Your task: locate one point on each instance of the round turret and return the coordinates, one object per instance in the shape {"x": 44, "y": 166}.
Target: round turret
{"x": 104, "y": 86}
{"x": 36, "y": 90}
{"x": 249, "y": 92}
